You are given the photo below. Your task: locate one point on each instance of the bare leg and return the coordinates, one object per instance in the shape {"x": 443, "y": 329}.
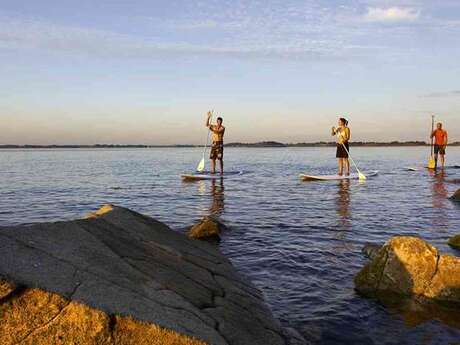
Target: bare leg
{"x": 213, "y": 166}
{"x": 442, "y": 160}
{"x": 340, "y": 163}
{"x": 347, "y": 166}
{"x": 435, "y": 160}
{"x": 221, "y": 166}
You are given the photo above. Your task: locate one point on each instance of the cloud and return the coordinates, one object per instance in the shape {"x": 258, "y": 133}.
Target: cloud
{"x": 391, "y": 14}
{"x": 246, "y": 39}
{"x": 454, "y": 93}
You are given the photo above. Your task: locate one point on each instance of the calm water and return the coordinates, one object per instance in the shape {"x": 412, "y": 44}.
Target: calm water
{"x": 300, "y": 243}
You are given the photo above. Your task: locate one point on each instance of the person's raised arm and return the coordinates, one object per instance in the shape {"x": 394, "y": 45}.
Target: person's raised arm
{"x": 333, "y": 132}
{"x": 208, "y": 120}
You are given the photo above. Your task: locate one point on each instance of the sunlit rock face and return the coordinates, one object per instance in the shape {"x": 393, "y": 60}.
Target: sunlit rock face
{"x": 409, "y": 266}
{"x": 108, "y": 278}
{"x": 35, "y": 317}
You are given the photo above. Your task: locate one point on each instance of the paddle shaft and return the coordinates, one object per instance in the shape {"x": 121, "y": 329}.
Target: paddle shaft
{"x": 432, "y": 138}
{"x": 209, "y": 133}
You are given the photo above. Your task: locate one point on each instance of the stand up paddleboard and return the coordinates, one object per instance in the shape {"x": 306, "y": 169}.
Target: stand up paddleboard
{"x": 354, "y": 176}
{"x": 439, "y": 168}
{"x": 208, "y": 176}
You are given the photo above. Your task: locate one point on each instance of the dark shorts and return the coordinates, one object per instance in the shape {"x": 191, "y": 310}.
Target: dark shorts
{"x": 341, "y": 152}
{"x": 217, "y": 150}
{"x": 441, "y": 149}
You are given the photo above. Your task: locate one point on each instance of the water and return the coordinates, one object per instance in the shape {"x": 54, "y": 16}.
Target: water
{"x": 300, "y": 243}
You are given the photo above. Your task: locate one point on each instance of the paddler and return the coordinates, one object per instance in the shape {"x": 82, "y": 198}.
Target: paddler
{"x": 217, "y": 149}
{"x": 343, "y": 135}
{"x": 440, "y": 144}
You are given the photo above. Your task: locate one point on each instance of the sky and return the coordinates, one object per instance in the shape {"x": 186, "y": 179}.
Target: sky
{"x": 147, "y": 71}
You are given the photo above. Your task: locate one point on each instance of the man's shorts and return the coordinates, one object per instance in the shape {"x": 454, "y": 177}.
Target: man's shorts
{"x": 217, "y": 150}
{"x": 441, "y": 149}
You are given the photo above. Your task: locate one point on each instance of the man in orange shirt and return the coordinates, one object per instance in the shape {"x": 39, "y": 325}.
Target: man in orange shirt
{"x": 440, "y": 143}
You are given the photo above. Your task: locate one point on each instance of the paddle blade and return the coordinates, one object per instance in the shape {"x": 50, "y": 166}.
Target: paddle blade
{"x": 431, "y": 163}
{"x": 361, "y": 176}
{"x": 200, "y": 167}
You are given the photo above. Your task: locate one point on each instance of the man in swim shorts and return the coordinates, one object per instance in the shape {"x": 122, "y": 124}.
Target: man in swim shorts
{"x": 440, "y": 144}
{"x": 217, "y": 149}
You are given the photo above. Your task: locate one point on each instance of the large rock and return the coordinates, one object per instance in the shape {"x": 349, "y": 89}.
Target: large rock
{"x": 410, "y": 266}
{"x": 118, "y": 263}
{"x": 456, "y": 196}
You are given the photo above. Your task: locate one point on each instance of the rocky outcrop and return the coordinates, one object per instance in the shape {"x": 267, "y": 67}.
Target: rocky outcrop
{"x": 454, "y": 242}
{"x": 456, "y": 196}
{"x": 410, "y": 266}
{"x": 35, "y": 317}
{"x": 90, "y": 275}
{"x": 207, "y": 229}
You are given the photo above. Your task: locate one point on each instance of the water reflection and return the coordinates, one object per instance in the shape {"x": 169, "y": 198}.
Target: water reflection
{"x": 343, "y": 205}
{"x": 418, "y": 310}
{"x": 218, "y": 197}
{"x": 439, "y": 190}
{"x": 440, "y": 196}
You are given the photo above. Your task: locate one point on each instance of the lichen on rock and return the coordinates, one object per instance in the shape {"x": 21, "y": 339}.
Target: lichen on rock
{"x": 36, "y": 317}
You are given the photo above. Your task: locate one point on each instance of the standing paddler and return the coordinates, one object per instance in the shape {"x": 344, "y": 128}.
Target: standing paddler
{"x": 217, "y": 149}
{"x": 343, "y": 136}
{"x": 440, "y": 143}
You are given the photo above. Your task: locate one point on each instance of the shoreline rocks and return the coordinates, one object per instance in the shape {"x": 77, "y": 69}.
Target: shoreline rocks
{"x": 119, "y": 263}
{"x": 409, "y": 266}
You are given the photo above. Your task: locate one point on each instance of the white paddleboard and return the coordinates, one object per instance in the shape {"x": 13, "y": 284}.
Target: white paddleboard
{"x": 439, "y": 167}
{"x": 353, "y": 176}
{"x": 208, "y": 176}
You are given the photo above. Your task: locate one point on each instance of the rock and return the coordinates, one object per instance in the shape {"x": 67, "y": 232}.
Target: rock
{"x": 79, "y": 280}
{"x": 456, "y": 196}
{"x": 371, "y": 250}
{"x": 454, "y": 242}
{"x": 36, "y": 317}
{"x": 207, "y": 229}
{"x": 410, "y": 266}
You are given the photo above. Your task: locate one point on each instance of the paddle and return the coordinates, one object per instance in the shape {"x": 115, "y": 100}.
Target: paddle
{"x": 360, "y": 174}
{"x": 431, "y": 161}
{"x": 201, "y": 165}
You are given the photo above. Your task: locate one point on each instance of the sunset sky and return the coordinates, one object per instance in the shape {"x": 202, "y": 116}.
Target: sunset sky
{"x": 146, "y": 71}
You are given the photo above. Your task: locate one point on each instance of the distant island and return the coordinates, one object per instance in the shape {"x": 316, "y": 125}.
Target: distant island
{"x": 272, "y": 144}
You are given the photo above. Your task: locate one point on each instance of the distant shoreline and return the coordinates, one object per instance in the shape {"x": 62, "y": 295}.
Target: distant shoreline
{"x": 268, "y": 144}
